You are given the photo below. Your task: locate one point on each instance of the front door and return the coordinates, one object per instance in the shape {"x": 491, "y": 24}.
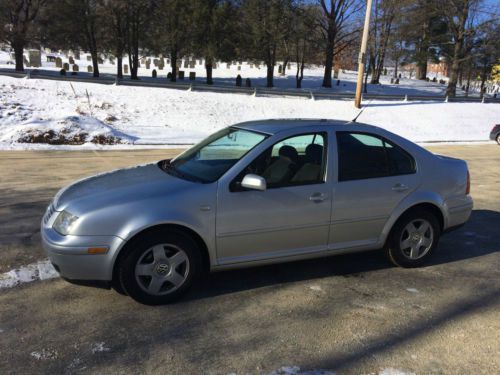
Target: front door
{"x": 290, "y": 217}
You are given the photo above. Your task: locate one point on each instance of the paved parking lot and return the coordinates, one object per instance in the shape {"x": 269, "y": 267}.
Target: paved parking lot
{"x": 352, "y": 313}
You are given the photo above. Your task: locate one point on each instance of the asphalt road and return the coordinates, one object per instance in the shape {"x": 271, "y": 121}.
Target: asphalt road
{"x": 355, "y": 314}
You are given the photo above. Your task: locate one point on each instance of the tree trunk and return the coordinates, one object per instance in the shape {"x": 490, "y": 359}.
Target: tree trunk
{"x": 119, "y": 68}
{"x": 423, "y": 52}
{"x": 451, "y": 90}
{"x": 327, "y": 77}
{"x": 209, "y": 68}
{"x": 18, "y": 52}
{"x": 173, "y": 65}
{"x": 95, "y": 63}
{"x": 285, "y": 63}
{"x": 484, "y": 75}
{"x": 300, "y": 73}
{"x": 270, "y": 73}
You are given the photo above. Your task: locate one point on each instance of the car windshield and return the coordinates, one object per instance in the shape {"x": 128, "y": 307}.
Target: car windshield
{"x": 210, "y": 159}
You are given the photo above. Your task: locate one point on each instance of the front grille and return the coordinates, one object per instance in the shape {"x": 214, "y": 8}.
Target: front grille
{"x": 48, "y": 213}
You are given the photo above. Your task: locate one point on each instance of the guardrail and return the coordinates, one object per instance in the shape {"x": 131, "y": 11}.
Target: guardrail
{"x": 257, "y": 91}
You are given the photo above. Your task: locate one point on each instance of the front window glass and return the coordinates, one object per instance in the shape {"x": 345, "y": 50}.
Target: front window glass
{"x": 210, "y": 159}
{"x": 298, "y": 160}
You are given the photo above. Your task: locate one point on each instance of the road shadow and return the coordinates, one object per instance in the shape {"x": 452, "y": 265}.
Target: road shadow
{"x": 479, "y": 237}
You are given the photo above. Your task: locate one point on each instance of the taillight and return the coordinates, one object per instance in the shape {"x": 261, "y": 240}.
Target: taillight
{"x": 467, "y": 190}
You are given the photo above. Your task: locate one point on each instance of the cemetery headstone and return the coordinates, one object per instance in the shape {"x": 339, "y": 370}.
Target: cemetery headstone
{"x": 62, "y": 72}
{"x": 76, "y": 54}
{"x": 228, "y": 65}
{"x": 192, "y": 76}
{"x": 161, "y": 64}
{"x": 66, "y": 66}
{"x": 336, "y": 73}
{"x": 192, "y": 65}
{"x": 169, "y": 75}
{"x": 248, "y": 82}
{"x": 289, "y": 66}
{"x": 148, "y": 64}
{"x": 181, "y": 74}
{"x": 100, "y": 60}
{"x": 238, "y": 80}
{"x": 239, "y": 67}
{"x": 90, "y": 69}
{"x": 58, "y": 62}
{"x": 156, "y": 62}
{"x": 71, "y": 60}
{"x": 434, "y": 80}
{"x": 76, "y": 68}
{"x": 185, "y": 64}
{"x": 338, "y": 82}
{"x": 153, "y": 73}
{"x": 89, "y": 58}
{"x": 280, "y": 69}
{"x": 396, "y": 81}
{"x": 125, "y": 68}
{"x": 392, "y": 80}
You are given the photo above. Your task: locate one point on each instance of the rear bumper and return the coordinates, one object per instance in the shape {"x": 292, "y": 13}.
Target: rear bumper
{"x": 459, "y": 211}
{"x": 70, "y": 258}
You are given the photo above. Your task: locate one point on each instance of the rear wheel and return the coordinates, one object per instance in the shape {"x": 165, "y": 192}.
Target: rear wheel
{"x": 498, "y": 139}
{"x": 159, "y": 268}
{"x": 413, "y": 239}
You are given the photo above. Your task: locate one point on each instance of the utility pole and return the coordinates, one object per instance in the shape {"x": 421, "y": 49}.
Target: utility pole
{"x": 362, "y": 55}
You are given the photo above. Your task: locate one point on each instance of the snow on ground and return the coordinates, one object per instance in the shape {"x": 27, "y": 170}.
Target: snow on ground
{"x": 140, "y": 115}
{"x": 42, "y": 270}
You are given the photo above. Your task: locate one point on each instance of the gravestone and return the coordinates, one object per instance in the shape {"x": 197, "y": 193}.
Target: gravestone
{"x": 168, "y": 61}
{"x": 143, "y": 60}
{"x": 239, "y": 67}
{"x": 396, "y": 81}
{"x": 251, "y": 66}
{"x": 58, "y": 62}
{"x": 192, "y": 64}
{"x": 289, "y": 66}
{"x": 192, "y": 76}
{"x": 185, "y": 64}
{"x": 169, "y": 75}
{"x": 336, "y": 73}
{"x": 434, "y": 80}
{"x": 156, "y": 62}
{"x": 100, "y": 60}
{"x": 112, "y": 61}
{"x": 125, "y": 68}
{"x": 89, "y": 58}
{"x": 90, "y": 69}
{"x": 62, "y": 72}
{"x": 71, "y": 60}
{"x": 392, "y": 80}
{"x": 148, "y": 64}
{"x": 76, "y": 68}
{"x": 161, "y": 64}
{"x": 228, "y": 65}
{"x": 238, "y": 80}
{"x": 338, "y": 82}
{"x": 201, "y": 62}
{"x": 399, "y": 75}
{"x": 280, "y": 69}
{"x": 66, "y": 66}
{"x": 76, "y": 54}
{"x": 248, "y": 83}
{"x": 181, "y": 74}
{"x": 385, "y": 71}
{"x": 153, "y": 73}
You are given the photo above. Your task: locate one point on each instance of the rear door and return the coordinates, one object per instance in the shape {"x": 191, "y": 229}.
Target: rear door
{"x": 374, "y": 176}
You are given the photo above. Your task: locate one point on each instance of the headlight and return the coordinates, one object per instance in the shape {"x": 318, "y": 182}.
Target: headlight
{"x": 64, "y": 222}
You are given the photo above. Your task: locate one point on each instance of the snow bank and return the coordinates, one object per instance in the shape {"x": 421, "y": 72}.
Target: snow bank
{"x": 42, "y": 270}
{"x": 158, "y": 116}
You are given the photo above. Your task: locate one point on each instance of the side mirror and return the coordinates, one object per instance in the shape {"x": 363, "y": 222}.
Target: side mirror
{"x": 254, "y": 182}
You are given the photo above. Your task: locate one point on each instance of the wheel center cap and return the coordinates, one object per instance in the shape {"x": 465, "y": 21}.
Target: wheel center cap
{"x": 162, "y": 269}
{"x": 415, "y": 237}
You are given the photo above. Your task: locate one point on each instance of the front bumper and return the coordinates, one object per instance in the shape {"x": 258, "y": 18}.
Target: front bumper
{"x": 69, "y": 255}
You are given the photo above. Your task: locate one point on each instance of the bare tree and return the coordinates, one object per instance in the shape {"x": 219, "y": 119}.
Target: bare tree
{"x": 16, "y": 19}
{"x": 335, "y": 14}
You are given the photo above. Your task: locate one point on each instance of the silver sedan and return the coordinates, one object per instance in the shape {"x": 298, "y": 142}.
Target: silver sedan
{"x": 251, "y": 194}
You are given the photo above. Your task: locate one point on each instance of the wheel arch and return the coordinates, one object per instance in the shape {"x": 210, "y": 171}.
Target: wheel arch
{"x": 164, "y": 228}
{"x": 431, "y": 207}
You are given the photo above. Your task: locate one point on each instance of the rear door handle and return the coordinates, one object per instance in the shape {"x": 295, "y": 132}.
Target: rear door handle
{"x": 317, "y": 197}
{"x": 400, "y": 187}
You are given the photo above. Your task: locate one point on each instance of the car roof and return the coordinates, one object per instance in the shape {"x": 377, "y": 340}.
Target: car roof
{"x": 273, "y": 126}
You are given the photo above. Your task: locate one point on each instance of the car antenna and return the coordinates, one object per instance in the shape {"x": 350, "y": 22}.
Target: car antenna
{"x": 360, "y": 112}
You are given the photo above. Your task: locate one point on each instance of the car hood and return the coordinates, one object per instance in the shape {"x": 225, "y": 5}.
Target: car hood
{"x": 119, "y": 186}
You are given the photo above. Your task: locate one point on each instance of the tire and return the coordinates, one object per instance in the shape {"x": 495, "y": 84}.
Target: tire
{"x": 159, "y": 268}
{"x": 498, "y": 139}
{"x": 413, "y": 239}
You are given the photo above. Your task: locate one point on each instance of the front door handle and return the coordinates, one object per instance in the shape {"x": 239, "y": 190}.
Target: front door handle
{"x": 400, "y": 188}
{"x": 317, "y": 197}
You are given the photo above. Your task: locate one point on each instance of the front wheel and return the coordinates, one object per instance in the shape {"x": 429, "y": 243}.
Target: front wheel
{"x": 159, "y": 268}
{"x": 498, "y": 139}
{"x": 413, "y": 239}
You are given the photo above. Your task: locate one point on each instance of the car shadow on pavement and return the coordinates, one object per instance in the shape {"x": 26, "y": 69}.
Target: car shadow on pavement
{"x": 479, "y": 237}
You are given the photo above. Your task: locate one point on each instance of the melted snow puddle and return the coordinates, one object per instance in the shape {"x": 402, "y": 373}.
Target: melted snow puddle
{"x": 42, "y": 270}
